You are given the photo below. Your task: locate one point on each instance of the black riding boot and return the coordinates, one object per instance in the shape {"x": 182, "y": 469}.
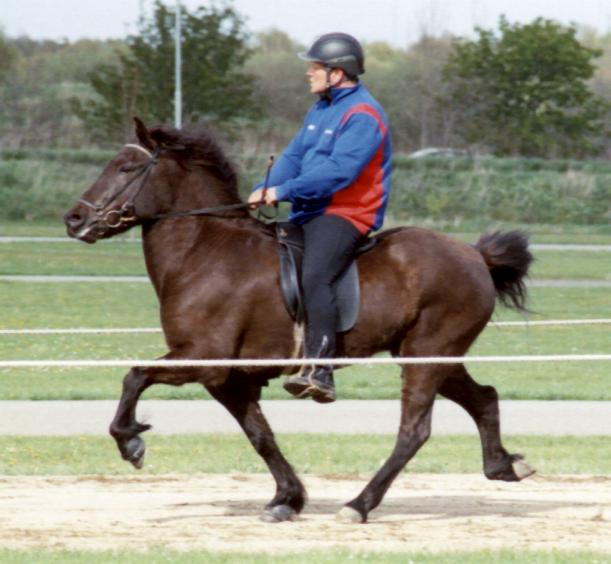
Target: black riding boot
{"x": 316, "y": 381}
{"x": 329, "y": 244}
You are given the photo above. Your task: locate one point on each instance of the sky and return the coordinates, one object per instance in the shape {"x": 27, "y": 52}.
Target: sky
{"x": 398, "y": 22}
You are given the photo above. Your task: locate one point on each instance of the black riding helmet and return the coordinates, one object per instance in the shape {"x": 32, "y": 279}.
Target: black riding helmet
{"x": 337, "y": 50}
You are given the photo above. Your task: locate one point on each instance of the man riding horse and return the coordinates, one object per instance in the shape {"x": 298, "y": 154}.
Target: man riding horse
{"x": 336, "y": 174}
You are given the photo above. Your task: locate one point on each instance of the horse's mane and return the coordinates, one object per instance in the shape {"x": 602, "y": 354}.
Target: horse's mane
{"x": 197, "y": 146}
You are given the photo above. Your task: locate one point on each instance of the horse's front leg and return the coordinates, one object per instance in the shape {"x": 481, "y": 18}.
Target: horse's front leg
{"x": 241, "y": 399}
{"x": 124, "y": 427}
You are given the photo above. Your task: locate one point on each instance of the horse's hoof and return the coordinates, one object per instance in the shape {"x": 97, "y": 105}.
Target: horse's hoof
{"x": 349, "y": 515}
{"x": 134, "y": 452}
{"x": 521, "y": 469}
{"x": 278, "y": 513}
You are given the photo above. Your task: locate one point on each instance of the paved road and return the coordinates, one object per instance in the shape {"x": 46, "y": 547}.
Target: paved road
{"x": 343, "y": 417}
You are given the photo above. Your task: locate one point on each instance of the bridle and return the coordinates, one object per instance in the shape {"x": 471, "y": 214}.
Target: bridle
{"x": 126, "y": 213}
{"x": 113, "y": 218}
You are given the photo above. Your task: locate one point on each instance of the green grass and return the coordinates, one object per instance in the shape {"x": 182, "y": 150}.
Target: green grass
{"x": 572, "y": 265}
{"x": 316, "y": 454}
{"x": 123, "y": 257}
{"x": 163, "y": 556}
{"x": 35, "y": 305}
{"x": 112, "y": 258}
{"x": 468, "y": 231}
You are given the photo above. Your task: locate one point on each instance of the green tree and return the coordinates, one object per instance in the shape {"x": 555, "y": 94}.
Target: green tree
{"x": 215, "y": 88}
{"x": 7, "y": 56}
{"x": 409, "y": 84}
{"x": 35, "y": 95}
{"x": 525, "y": 92}
{"x": 281, "y": 89}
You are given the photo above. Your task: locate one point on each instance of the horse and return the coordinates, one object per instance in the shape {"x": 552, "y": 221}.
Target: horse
{"x": 215, "y": 271}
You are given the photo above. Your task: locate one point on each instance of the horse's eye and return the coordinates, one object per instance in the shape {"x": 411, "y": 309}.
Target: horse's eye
{"x": 126, "y": 168}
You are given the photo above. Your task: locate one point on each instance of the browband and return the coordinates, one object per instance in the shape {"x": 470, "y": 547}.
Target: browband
{"x": 140, "y": 148}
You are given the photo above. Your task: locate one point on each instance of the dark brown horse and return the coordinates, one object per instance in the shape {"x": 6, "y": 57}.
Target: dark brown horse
{"x": 216, "y": 277}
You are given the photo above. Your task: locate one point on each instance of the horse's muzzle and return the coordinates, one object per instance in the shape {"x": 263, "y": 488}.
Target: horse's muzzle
{"x": 80, "y": 226}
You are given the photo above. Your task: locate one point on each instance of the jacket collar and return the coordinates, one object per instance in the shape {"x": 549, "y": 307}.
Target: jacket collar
{"x": 336, "y": 94}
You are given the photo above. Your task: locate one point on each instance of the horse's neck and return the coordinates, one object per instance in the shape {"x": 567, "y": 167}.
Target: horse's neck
{"x": 168, "y": 243}
{"x": 200, "y": 189}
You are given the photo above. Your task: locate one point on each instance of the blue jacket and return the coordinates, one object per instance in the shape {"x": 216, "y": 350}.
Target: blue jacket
{"x": 339, "y": 163}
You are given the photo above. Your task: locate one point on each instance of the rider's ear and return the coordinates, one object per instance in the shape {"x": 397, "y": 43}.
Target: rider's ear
{"x": 143, "y": 134}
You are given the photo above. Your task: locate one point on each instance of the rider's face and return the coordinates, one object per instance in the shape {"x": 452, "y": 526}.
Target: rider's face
{"x": 317, "y": 75}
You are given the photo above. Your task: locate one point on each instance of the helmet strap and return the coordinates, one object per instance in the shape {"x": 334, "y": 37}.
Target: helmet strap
{"x": 326, "y": 95}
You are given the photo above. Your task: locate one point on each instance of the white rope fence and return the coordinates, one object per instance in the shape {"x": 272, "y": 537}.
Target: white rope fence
{"x": 110, "y": 331}
{"x": 271, "y": 362}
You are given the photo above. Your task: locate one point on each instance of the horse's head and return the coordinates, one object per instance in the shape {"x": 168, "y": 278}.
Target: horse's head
{"x": 132, "y": 187}
{"x": 165, "y": 171}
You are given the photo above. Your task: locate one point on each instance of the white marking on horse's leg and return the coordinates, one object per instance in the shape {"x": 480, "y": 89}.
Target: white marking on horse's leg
{"x": 349, "y": 515}
{"x": 521, "y": 469}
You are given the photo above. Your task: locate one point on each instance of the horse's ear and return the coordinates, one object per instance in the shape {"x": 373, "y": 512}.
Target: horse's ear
{"x": 143, "y": 134}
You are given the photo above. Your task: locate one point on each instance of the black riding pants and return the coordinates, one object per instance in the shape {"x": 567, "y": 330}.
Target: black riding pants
{"x": 329, "y": 245}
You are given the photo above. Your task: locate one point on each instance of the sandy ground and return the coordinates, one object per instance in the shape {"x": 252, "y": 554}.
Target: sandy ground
{"x": 221, "y": 512}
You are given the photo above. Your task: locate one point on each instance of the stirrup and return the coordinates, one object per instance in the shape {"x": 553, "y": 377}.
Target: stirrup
{"x": 304, "y": 386}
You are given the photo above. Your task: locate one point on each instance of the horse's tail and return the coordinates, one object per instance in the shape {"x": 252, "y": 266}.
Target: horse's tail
{"x": 508, "y": 258}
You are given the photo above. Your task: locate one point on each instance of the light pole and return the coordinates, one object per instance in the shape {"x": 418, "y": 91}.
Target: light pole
{"x": 177, "y": 70}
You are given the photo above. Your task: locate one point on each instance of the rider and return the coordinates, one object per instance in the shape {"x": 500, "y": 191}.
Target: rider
{"x": 336, "y": 174}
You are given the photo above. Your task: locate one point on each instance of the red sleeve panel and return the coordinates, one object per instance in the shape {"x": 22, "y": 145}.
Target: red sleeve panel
{"x": 363, "y": 202}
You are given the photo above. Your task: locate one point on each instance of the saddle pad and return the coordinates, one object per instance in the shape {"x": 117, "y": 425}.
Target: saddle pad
{"x": 290, "y": 252}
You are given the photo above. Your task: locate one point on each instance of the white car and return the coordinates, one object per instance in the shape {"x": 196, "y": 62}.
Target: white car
{"x": 438, "y": 152}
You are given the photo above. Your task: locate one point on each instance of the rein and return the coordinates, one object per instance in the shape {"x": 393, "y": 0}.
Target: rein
{"x": 126, "y": 213}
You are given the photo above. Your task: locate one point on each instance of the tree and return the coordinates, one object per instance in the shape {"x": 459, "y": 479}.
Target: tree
{"x": 408, "y": 84}
{"x": 214, "y": 86}
{"x": 281, "y": 89}
{"x": 525, "y": 92}
{"x": 7, "y": 56}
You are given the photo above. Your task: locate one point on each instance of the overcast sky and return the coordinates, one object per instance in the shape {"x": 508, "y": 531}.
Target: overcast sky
{"x": 399, "y": 22}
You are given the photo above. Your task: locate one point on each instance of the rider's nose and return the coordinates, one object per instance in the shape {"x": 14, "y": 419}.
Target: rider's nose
{"x": 74, "y": 220}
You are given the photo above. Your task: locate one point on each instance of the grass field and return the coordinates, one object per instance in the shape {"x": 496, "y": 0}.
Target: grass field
{"x": 125, "y": 258}
{"x": 34, "y": 305}
{"x": 466, "y": 231}
{"x": 315, "y": 454}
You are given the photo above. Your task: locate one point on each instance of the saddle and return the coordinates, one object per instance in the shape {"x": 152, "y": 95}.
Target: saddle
{"x": 346, "y": 288}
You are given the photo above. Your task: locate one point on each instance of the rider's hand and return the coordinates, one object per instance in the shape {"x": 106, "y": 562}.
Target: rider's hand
{"x": 256, "y": 197}
{"x": 270, "y": 196}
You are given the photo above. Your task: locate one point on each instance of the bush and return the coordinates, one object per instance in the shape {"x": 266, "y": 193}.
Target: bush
{"x": 41, "y": 189}
{"x": 38, "y": 184}
{"x": 509, "y": 190}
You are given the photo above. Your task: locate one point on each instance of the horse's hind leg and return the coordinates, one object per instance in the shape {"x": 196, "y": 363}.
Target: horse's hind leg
{"x": 242, "y": 400}
{"x": 124, "y": 427}
{"x": 420, "y": 384}
{"x": 481, "y": 402}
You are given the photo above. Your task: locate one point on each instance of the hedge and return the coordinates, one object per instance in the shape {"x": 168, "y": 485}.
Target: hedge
{"x": 42, "y": 184}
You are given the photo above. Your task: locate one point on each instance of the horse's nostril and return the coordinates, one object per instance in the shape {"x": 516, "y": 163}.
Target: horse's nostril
{"x": 74, "y": 220}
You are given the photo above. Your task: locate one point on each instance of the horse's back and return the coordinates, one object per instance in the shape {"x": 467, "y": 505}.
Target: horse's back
{"x": 414, "y": 274}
